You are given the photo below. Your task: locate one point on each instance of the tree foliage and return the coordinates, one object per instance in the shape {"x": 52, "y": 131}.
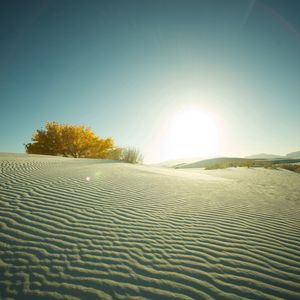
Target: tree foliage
{"x": 70, "y": 140}
{"x": 116, "y": 154}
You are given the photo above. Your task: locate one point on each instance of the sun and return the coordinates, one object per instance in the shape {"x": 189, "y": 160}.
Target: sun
{"x": 193, "y": 133}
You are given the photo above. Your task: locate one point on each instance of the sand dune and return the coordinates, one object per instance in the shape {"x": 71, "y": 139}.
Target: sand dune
{"x": 90, "y": 229}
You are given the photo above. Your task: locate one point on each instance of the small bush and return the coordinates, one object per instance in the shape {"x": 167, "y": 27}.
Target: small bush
{"x": 215, "y": 167}
{"x": 132, "y": 155}
{"x": 270, "y": 166}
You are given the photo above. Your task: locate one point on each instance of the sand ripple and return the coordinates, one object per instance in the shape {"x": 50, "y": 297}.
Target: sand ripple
{"x": 84, "y": 229}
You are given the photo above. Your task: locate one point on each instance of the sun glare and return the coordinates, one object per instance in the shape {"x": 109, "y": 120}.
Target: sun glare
{"x": 193, "y": 133}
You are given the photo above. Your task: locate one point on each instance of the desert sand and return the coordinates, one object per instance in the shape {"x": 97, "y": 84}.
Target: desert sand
{"x": 92, "y": 229}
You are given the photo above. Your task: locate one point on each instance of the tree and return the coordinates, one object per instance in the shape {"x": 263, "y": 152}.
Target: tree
{"x": 116, "y": 153}
{"x": 100, "y": 148}
{"x": 69, "y": 140}
{"x": 46, "y": 141}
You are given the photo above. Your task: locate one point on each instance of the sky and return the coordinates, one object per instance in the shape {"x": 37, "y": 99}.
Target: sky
{"x": 125, "y": 68}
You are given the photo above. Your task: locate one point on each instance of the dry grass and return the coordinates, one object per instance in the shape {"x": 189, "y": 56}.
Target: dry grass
{"x": 254, "y": 164}
{"x": 291, "y": 167}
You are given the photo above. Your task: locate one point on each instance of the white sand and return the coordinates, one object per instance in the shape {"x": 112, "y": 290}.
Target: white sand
{"x": 86, "y": 229}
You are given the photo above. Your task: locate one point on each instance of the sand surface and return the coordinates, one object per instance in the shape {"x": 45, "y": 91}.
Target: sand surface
{"x": 90, "y": 229}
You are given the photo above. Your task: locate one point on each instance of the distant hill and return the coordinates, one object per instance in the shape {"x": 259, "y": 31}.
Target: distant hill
{"x": 175, "y": 162}
{"x": 259, "y": 159}
{"x": 225, "y": 162}
{"x": 274, "y": 156}
{"x": 264, "y": 156}
{"x": 294, "y": 154}
{"x": 212, "y": 161}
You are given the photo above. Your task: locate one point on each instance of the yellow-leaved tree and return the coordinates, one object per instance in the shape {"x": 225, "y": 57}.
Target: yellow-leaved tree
{"x": 70, "y": 140}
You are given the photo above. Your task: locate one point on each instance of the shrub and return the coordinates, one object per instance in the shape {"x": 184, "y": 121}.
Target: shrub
{"x": 216, "y": 166}
{"x": 291, "y": 167}
{"x": 132, "y": 155}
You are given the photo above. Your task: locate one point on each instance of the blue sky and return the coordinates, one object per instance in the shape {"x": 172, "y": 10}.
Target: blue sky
{"x": 125, "y": 67}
